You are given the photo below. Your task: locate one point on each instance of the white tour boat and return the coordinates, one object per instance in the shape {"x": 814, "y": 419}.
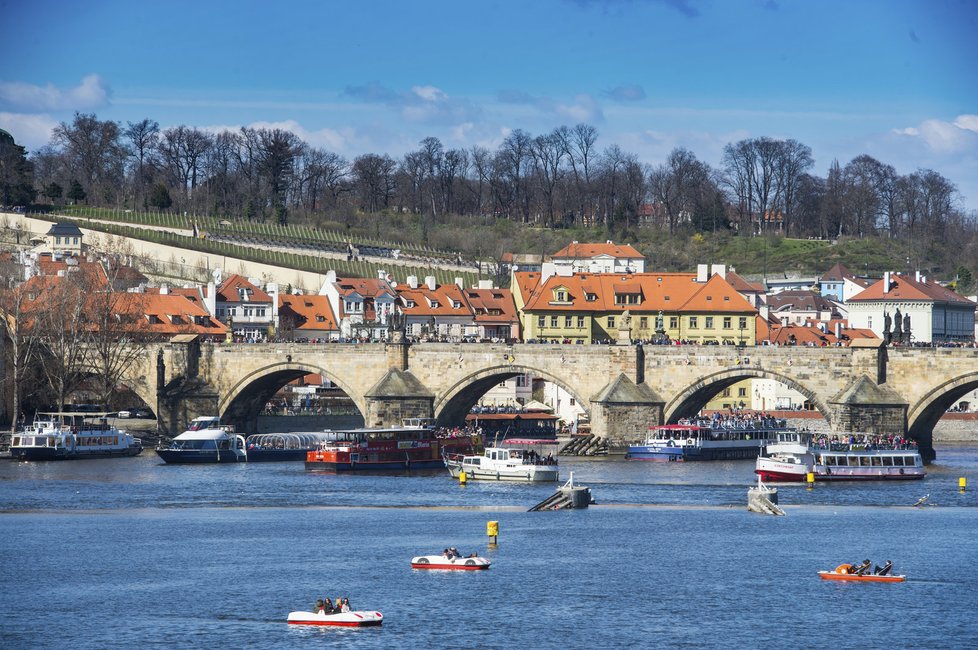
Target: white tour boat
{"x": 794, "y": 455}
{"x": 702, "y": 438}
{"x": 516, "y": 459}
{"x": 206, "y": 440}
{"x": 67, "y": 436}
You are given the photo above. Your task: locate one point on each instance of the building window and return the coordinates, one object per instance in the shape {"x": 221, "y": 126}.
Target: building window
{"x": 709, "y": 322}
{"x": 869, "y": 323}
{"x": 541, "y": 321}
{"x": 693, "y": 322}
{"x": 553, "y": 321}
{"x": 580, "y": 322}
{"x": 611, "y": 322}
{"x": 673, "y": 322}
{"x": 568, "y": 320}
{"x": 743, "y": 323}
{"x": 643, "y": 322}
{"x": 741, "y": 392}
{"x": 727, "y": 322}
{"x": 726, "y": 393}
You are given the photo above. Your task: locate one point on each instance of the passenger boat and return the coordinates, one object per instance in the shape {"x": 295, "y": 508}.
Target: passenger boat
{"x": 454, "y": 563}
{"x": 357, "y": 618}
{"x": 723, "y": 438}
{"x": 266, "y": 447}
{"x": 206, "y": 440}
{"x": 414, "y": 446}
{"x": 794, "y": 455}
{"x": 67, "y": 436}
{"x": 844, "y": 572}
{"x": 516, "y": 459}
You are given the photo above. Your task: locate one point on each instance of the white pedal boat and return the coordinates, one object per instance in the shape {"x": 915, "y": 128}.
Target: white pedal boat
{"x": 450, "y": 564}
{"x": 344, "y": 619}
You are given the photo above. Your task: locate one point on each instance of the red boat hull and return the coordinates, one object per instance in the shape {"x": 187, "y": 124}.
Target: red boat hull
{"x": 852, "y": 577}
{"x": 450, "y": 567}
{"x": 337, "y": 624}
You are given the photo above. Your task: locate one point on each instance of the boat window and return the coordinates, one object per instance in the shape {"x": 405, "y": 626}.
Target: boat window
{"x": 865, "y": 461}
{"x": 877, "y": 461}
{"x": 898, "y": 461}
{"x": 909, "y": 461}
{"x": 887, "y": 461}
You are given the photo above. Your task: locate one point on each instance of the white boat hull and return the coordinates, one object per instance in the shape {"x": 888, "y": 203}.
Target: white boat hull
{"x": 344, "y": 619}
{"x": 442, "y": 563}
{"x": 516, "y": 473}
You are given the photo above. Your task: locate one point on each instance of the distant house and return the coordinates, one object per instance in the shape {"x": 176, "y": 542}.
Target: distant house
{"x": 839, "y": 284}
{"x": 434, "y": 310}
{"x": 599, "y": 258}
{"x": 65, "y": 238}
{"x": 934, "y": 313}
{"x": 306, "y": 318}
{"x": 362, "y": 306}
{"x": 798, "y": 307}
{"x": 249, "y": 310}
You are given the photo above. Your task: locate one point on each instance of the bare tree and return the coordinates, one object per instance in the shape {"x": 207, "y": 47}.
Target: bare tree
{"x": 17, "y": 334}
{"x": 548, "y": 151}
{"x": 94, "y": 153}
{"x": 142, "y": 136}
{"x": 60, "y": 317}
{"x": 183, "y": 150}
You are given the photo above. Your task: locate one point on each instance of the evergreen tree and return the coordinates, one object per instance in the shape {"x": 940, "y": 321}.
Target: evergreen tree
{"x": 16, "y": 173}
{"x": 76, "y": 192}
{"x": 159, "y": 197}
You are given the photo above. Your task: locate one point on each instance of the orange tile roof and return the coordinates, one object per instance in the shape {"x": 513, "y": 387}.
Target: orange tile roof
{"x": 228, "y": 291}
{"x": 445, "y": 295}
{"x": 492, "y": 305}
{"x": 312, "y": 312}
{"x": 718, "y": 296}
{"x": 904, "y": 287}
{"x": 591, "y": 250}
{"x": 742, "y": 285}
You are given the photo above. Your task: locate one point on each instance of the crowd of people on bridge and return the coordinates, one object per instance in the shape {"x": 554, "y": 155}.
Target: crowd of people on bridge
{"x": 862, "y": 441}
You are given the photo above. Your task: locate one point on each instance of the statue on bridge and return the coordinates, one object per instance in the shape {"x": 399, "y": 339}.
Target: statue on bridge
{"x": 887, "y": 322}
{"x": 906, "y": 328}
{"x": 898, "y": 327}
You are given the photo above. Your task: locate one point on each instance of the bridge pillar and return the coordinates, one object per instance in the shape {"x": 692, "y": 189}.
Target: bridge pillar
{"x": 397, "y": 396}
{"x": 868, "y": 407}
{"x": 185, "y": 396}
{"x": 623, "y": 411}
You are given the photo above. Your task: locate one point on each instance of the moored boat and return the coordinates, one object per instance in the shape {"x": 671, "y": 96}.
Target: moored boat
{"x": 357, "y": 618}
{"x": 716, "y": 438}
{"x": 450, "y": 561}
{"x": 206, "y": 440}
{"x": 849, "y": 457}
{"x": 294, "y": 446}
{"x": 515, "y": 459}
{"x": 71, "y": 436}
{"x": 417, "y": 445}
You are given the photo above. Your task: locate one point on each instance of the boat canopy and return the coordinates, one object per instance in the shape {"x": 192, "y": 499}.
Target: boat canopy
{"x": 205, "y": 434}
{"x": 529, "y": 441}
{"x": 294, "y": 440}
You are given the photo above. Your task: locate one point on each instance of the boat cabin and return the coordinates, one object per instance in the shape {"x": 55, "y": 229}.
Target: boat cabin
{"x": 875, "y": 459}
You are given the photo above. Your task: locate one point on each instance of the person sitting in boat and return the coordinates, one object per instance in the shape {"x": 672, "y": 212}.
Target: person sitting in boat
{"x": 863, "y": 568}
{"x": 453, "y": 553}
{"x": 345, "y": 607}
{"x": 319, "y": 606}
{"x": 337, "y": 605}
{"x": 885, "y": 569}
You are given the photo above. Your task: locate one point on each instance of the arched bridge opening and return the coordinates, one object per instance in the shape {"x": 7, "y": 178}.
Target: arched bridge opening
{"x": 690, "y": 401}
{"x": 252, "y": 393}
{"x": 458, "y": 401}
{"x": 925, "y": 414}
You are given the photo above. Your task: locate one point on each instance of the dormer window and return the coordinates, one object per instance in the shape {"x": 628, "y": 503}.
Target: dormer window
{"x": 456, "y": 304}
{"x": 590, "y": 297}
{"x": 409, "y": 304}
{"x": 435, "y": 304}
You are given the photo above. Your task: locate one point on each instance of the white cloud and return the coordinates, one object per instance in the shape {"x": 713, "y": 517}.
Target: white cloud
{"x": 91, "y": 93}
{"x": 31, "y": 131}
{"x": 944, "y": 137}
{"x": 429, "y": 93}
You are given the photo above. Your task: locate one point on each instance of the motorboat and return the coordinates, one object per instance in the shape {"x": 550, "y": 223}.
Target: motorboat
{"x": 702, "y": 438}
{"x": 849, "y": 573}
{"x": 515, "y": 459}
{"x": 357, "y": 618}
{"x": 206, "y": 440}
{"x": 416, "y": 445}
{"x": 450, "y": 562}
{"x": 850, "y": 457}
{"x": 70, "y": 436}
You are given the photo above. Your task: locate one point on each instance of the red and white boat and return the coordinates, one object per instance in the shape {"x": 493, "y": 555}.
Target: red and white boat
{"x": 343, "y": 619}
{"x": 454, "y": 563}
{"x": 793, "y": 456}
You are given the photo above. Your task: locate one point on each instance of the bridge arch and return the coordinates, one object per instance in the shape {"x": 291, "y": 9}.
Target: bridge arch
{"x": 922, "y": 417}
{"x": 689, "y": 401}
{"x": 254, "y": 389}
{"x": 457, "y": 401}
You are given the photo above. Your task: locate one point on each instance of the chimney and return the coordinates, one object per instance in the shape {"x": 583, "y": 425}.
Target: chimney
{"x": 412, "y": 281}
{"x": 485, "y": 284}
{"x": 886, "y": 282}
{"x": 210, "y": 300}
{"x": 764, "y": 311}
{"x": 916, "y": 276}
{"x": 164, "y": 290}
{"x": 610, "y": 242}
{"x": 381, "y": 274}
{"x": 430, "y": 281}
{"x": 838, "y": 330}
{"x": 719, "y": 269}
{"x": 459, "y": 283}
{"x": 702, "y": 271}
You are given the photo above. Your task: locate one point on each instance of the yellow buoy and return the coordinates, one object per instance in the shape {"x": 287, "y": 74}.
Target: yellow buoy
{"x": 810, "y": 478}
{"x": 462, "y": 478}
{"x": 962, "y": 483}
{"x": 492, "y": 530}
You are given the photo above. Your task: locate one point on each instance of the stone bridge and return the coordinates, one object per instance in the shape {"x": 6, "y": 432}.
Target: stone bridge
{"x": 623, "y": 388}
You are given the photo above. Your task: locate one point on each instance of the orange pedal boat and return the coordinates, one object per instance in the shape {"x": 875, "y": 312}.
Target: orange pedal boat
{"x": 847, "y": 572}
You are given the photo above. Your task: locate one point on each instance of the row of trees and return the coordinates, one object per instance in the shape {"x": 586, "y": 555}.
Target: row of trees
{"x": 65, "y": 333}
{"x": 558, "y": 178}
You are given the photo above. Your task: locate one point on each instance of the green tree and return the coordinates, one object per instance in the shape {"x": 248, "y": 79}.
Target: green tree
{"x": 16, "y": 173}
{"x": 159, "y": 197}
{"x": 966, "y": 280}
{"x": 76, "y": 192}
{"x": 53, "y": 191}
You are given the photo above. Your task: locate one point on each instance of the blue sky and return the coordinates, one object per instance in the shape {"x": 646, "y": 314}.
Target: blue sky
{"x": 896, "y": 79}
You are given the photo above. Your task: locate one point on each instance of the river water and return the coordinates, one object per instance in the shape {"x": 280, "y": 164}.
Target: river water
{"x": 127, "y": 553}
